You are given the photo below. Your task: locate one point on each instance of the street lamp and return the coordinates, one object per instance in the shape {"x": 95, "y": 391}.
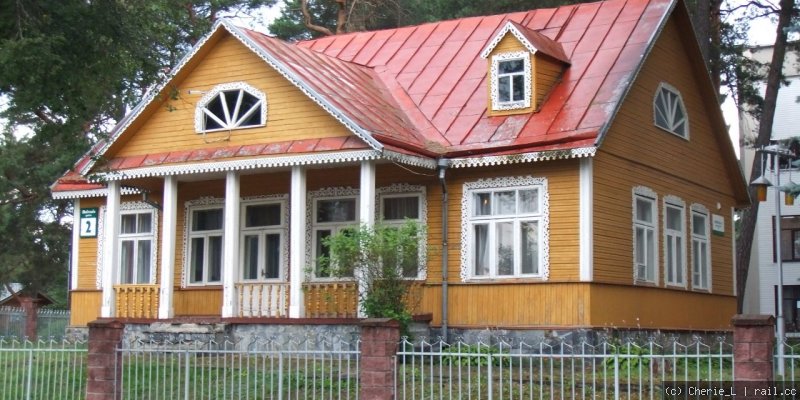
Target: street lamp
{"x": 761, "y": 184}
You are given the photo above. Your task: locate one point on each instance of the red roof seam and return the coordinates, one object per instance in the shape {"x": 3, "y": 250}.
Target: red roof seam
{"x": 438, "y": 49}
{"x": 349, "y": 39}
{"x": 371, "y": 35}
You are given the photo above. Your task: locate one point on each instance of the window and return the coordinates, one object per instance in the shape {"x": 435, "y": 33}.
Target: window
{"x": 395, "y": 210}
{"x": 505, "y": 230}
{"x": 262, "y": 241}
{"x": 669, "y": 111}
{"x": 701, "y": 256}
{"x": 331, "y": 215}
{"x": 136, "y": 247}
{"x": 644, "y": 235}
{"x": 205, "y": 246}
{"x": 231, "y": 106}
{"x": 674, "y": 242}
{"x": 790, "y": 238}
{"x": 511, "y": 81}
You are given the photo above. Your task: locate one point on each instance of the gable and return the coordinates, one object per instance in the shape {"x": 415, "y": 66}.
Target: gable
{"x": 291, "y": 114}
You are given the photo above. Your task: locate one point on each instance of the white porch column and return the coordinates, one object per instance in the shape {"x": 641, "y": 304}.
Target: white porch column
{"x": 297, "y": 242}
{"x": 76, "y": 241}
{"x": 230, "y": 249}
{"x": 110, "y": 249}
{"x": 168, "y": 237}
{"x": 366, "y": 213}
{"x": 586, "y": 208}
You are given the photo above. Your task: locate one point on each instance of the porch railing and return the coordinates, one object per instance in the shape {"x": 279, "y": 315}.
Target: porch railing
{"x": 258, "y": 299}
{"x": 137, "y": 301}
{"x": 331, "y": 299}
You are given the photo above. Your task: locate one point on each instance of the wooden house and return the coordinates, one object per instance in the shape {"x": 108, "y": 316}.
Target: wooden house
{"x": 571, "y": 164}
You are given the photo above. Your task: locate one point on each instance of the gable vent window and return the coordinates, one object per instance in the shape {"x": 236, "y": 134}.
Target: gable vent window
{"x": 511, "y": 81}
{"x": 669, "y": 111}
{"x": 231, "y": 106}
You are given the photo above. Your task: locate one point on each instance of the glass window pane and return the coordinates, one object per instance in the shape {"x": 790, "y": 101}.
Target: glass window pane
{"x": 251, "y": 257}
{"x": 126, "y": 261}
{"x": 505, "y": 248}
{"x": 323, "y": 252}
{"x": 483, "y": 204}
{"x": 215, "y": 107}
{"x": 198, "y": 251}
{"x": 262, "y": 215}
{"x": 644, "y": 210}
{"x": 670, "y": 261}
{"x": 530, "y": 247}
{"x": 674, "y": 220}
{"x": 699, "y": 224}
{"x": 529, "y": 201}
{"x": 519, "y": 87}
{"x": 400, "y": 208}
{"x": 796, "y": 245}
{"x": 128, "y": 224}
{"x": 504, "y": 89}
{"x": 214, "y": 258}
{"x": 273, "y": 256}
{"x": 207, "y": 220}
{"x": 641, "y": 250}
{"x": 651, "y": 255}
{"x": 511, "y": 66}
{"x": 336, "y": 210}
{"x": 143, "y": 264}
{"x": 231, "y": 97}
{"x": 505, "y": 203}
{"x": 145, "y": 223}
{"x": 679, "y": 260}
{"x": 247, "y": 104}
{"x": 481, "y": 250}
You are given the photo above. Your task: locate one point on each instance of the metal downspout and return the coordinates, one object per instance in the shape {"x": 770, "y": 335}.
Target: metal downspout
{"x": 443, "y": 164}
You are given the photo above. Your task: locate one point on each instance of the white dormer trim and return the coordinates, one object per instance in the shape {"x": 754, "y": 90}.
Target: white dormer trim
{"x": 509, "y": 27}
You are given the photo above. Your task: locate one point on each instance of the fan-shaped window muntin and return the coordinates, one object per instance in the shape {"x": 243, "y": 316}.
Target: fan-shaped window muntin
{"x": 231, "y": 106}
{"x": 669, "y": 112}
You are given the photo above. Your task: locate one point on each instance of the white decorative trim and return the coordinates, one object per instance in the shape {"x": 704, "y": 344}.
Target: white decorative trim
{"x": 328, "y": 192}
{"x": 82, "y": 194}
{"x": 207, "y": 201}
{"x": 546, "y": 155}
{"x": 415, "y": 161}
{"x": 246, "y": 164}
{"x": 501, "y": 183}
{"x": 74, "y": 256}
{"x": 586, "y": 207}
{"x": 644, "y": 191}
{"x": 283, "y": 198}
{"x": 663, "y": 86}
{"x": 508, "y": 27}
{"x": 123, "y": 207}
{"x": 210, "y": 95}
{"x": 497, "y": 105}
{"x": 405, "y": 188}
{"x": 675, "y": 201}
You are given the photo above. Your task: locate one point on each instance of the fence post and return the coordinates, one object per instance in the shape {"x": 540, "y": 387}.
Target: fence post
{"x": 30, "y": 305}
{"x": 104, "y": 371}
{"x": 379, "y": 341}
{"x": 753, "y": 346}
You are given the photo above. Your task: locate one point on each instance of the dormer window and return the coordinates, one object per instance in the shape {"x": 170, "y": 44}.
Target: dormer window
{"x": 231, "y": 106}
{"x": 511, "y": 81}
{"x": 669, "y": 112}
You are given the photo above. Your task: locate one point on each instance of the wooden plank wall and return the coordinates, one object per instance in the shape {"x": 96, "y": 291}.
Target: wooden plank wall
{"x": 546, "y": 73}
{"x": 84, "y": 306}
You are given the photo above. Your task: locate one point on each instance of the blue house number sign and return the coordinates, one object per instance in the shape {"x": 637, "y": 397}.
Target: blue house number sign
{"x": 88, "y": 223}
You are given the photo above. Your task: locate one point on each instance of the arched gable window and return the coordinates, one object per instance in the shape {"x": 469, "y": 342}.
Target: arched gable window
{"x": 669, "y": 112}
{"x": 231, "y": 106}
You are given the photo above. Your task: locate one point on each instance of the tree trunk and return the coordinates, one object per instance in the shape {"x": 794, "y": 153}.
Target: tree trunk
{"x": 774, "y": 78}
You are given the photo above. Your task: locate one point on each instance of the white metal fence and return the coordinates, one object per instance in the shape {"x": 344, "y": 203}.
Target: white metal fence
{"x": 440, "y": 370}
{"x": 51, "y": 323}
{"x": 304, "y": 368}
{"x": 46, "y": 369}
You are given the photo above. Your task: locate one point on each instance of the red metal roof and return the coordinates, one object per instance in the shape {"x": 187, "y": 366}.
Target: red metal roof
{"x": 423, "y": 89}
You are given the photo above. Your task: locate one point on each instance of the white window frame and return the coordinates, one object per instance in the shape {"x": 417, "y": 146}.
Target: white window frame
{"x": 136, "y": 238}
{"x": 671, "y": 235}
{"x": 671, "y": 119}
{"x": 469, "y": 220}
{"x": 396, "y": 191}
{"x": 697, "y": 240}
{"x": 262, "y": 232}
{"x": 230, "y": 121}
{"x": 205, "y": 235}
{"x": 314, "y": 198}
{"x": 650, "y": 196}
{"x": 497, "y": 105}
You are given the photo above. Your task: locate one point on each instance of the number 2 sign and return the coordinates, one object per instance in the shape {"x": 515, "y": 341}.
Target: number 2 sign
{"x": 88, "y": 222}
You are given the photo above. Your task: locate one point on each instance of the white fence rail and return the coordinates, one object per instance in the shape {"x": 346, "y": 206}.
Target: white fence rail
{"x": 305, "y": 369}
{"x": 46, "y": 369}
{"x": 51, "y": 323}
{"x": 436, "y": 370}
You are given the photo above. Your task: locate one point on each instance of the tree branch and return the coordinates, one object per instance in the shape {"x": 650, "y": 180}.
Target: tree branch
{"x": 309, "y": 24}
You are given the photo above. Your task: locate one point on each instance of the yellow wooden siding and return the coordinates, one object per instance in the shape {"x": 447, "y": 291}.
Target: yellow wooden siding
{"x": 640, "y": 307}
{"x": 84, "y": 306}
{"x": 198, "y": 301}
{"x": 546, "y": 73}
{"x": 291, "y": 115}
{"x": 636, "y": 152}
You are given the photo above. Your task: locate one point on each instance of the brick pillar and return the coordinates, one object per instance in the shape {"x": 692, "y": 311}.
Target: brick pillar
{"x": 30, "y": 305}
{"x": 753, "y": 344}
{"x": 379, "y": 341}
{"x": 104, "y": 371}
